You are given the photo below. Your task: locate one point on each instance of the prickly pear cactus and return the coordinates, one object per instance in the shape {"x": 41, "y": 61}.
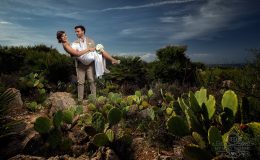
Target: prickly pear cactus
{"x": 100, "y": 139}
{"x": 198, "y": 138}
{"x": 215, "y": 138}
{"x": 98, "y": 121}
{"x": 106, "y": 108}
{"x": 54, "y": 138}
{"x": 150, "y": 93}
{"x": 169, "y": 111}
{"x": 255, "y": 128}
{"x": 91, "y": 107}
{"x": 114, "y": 116}
{"x": 177, "y": 126}
{"x": 194, "y": 152}
{"x": 151, "y": 113}
{"x": 101, "y": 100}
{"x": 230, "y": 101}
{"x": 68, "y": 116}
{"x": 115, "y": 98}
{"x": 42, "y": 125}
{"x": 201, "y": 96}
{"x": 130, "y": 100}
{"x": 145, "y": 104}
{"x": 110, "y": 135}
{"x": 194, "y": 103}
{"x": 57, "y": 119}
{"x": 138, "y": 93}
{"x": 211, "y": 106}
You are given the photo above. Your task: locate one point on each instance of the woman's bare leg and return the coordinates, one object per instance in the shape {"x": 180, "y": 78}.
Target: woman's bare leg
{"x": 107, "y": 56}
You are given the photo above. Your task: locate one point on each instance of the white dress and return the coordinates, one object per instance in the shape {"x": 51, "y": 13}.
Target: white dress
{"x": 100, "y": 62}
{"x": 87, "y": 58}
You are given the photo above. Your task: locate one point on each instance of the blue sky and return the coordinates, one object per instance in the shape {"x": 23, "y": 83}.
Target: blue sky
{"x": 215, "y": 31}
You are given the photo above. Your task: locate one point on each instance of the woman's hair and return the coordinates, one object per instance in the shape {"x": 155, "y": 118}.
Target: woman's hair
{"x": 59, "y": 35}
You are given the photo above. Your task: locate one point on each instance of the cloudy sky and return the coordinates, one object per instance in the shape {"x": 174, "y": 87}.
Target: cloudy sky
{"x": 215, "y": 31}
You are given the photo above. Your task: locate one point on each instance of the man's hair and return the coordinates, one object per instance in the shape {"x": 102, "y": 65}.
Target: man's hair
{"x": 81, "y": 27}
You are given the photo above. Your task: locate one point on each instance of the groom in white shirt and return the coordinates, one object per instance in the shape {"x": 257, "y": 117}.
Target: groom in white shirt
{"x": 84, "y": 42}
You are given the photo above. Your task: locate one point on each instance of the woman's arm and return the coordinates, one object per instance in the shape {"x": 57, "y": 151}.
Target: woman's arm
{"x": 74, "y": 52}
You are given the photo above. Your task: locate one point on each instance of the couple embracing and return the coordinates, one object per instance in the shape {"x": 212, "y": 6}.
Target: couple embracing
{"x": 89, "y": 58}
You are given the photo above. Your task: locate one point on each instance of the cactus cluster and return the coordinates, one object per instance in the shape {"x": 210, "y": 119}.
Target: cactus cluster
{"x": 99, "y": 123}
{"x": 199, "y": 110}
{"x": 51, "y": 127}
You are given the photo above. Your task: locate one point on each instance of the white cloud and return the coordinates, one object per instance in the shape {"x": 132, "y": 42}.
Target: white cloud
{"x": 15, "y": 35}
{"x": 215, "y": 15}
{"x": 148, "y": 57}
{"x": 143, "y": 6}
{"x": 170, "y": 19}
{"x": 5, "y": 22}
{"x": 44, "y": 8}
{"x": 145, "y": 56}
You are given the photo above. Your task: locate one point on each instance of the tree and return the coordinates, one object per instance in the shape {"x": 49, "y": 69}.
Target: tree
{"x": 173, "y": 65}
{"x": 131, "y": 70}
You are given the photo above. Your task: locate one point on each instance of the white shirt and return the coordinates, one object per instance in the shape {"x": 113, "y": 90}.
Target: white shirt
{"x": 81, "y": 45}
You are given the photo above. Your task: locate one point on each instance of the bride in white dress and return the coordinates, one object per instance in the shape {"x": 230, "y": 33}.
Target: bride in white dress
{"x": 88, "y": 55}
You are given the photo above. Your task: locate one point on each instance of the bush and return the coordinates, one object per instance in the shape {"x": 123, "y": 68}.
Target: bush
{"x": 173, "y": 65}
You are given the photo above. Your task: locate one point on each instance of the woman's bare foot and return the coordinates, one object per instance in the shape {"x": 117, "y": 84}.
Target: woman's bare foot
{"x": 116, "y": 62}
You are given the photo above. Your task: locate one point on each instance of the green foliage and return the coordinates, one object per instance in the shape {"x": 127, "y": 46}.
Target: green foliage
{"x": 101, "y": 100}
{"x": 67, "y": 116}
{"x": 199, "y": 140}
{"x": 60, "y": 71}
{"x": 169, "y": 110}
{"x": 255, "y": 127}
{"x": 33, "y": 106}
{"x": 54, "y": 138}
{"x": 98, "y": 121}
{"x": 91, "y": 107}
{"x": 214, "y": 137}
{"x": 172, "y": 65}
{"x": 31, "y": 59}
{"x": 193, "y": 152}
{"x": 42, "y": 125}
{"x": 177, "y": 126}
{"x": 151, "y": 113}
{"x": 123, "y": 74}
{"x": 66, "y": 144}
{"x": 114, "y": 116}
{"x": 11, "y": 55}
{"x": 115, "y": 98}
{"x": 230, "y": 101}
{"x": 57, "y": 119}
{"x": 150, "y": 93}
{"x": 201, "y": 97}
{"x": 34, "y": 83}
{"x": 51, "y": 130}
{"x": 100, "y": 139}
{"x": 110, "y": 135}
